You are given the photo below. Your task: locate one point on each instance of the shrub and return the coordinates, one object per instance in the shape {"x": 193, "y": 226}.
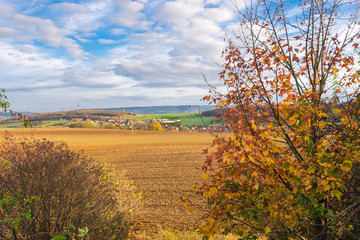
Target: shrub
{"x": 69, "y": 188}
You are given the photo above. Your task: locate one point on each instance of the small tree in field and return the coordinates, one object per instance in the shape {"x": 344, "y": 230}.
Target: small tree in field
{"x": 289, "y": 168}
{"x": 156, "y": 126}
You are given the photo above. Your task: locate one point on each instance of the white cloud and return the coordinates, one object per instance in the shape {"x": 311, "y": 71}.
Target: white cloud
{"x": 70, "y": 7}
{"x": 169, "y": 12}
{"x": 86, "y": 17}
{"x": 25, "y": 28}
{"x": 106, "y": 41}
{"x": 178, "y": 52}
{"x": 162, "y": 48}
{"x": 23, "y": 66}
{"x": 118, "y": 31}
{"x": 89, "y": 76}
{"x": 129, "y": 14}
{"x": 212, "y": 2}
{"x": 45, "y": 31}
{"x": 6, "y": 10}
{"x": 10, "y": 33}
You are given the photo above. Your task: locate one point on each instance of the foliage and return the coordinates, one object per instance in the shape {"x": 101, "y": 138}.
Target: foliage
{"x": 70, "y": 233}
{"x": 70, "y": 189}
{"x": 288, "y": 170}
{"x": 14, "y": 210}
{"x": 4, "y": 104}
{"x": 156, "y": 126}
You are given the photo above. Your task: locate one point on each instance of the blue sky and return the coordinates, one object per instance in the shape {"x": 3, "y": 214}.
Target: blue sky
{"x": 56, "y": 55}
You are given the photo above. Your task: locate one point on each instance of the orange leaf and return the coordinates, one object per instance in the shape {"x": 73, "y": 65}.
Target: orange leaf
{"x": 283, "y": 58}
{"x": 275, "y": 48}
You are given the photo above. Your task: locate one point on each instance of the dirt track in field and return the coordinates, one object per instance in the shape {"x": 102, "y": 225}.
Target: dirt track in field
{"x": 163, "y": 166}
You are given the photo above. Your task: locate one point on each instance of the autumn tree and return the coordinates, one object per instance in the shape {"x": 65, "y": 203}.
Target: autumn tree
{"x": 289, "y": 168}
{"x": 156, "y": 126}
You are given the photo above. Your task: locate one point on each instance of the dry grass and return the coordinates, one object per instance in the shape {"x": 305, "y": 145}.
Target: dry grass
{"x": 161, "y": 164}
{"x": 184, "y": 235}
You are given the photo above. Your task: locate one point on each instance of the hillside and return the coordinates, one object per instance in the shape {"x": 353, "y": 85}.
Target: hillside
{"x": 212, "y": 113}
{"x": 84, "y": 114}
{"x": 165, "y": 109}
{"x": 8, "y": 114}
{"x": 67, "y": 115}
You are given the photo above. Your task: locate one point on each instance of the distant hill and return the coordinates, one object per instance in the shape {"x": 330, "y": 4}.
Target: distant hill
{"x": 8, "y": 114}
{"x": 3, "y": 118}
{"x": 81, "y": 114}
{"x": 212, "y": 113}
{"x": 164, "y": 109}
{"x": 85, "y": 114}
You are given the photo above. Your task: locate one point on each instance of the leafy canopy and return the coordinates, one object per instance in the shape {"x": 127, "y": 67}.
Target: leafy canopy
{"x": 292, "y": 104}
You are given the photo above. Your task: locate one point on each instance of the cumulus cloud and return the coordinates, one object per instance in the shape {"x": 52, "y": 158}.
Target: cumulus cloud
{"x": 6, "y": 10}
{"x": 45, "y": 31}
{"x": 10, "y": 33}
{"x": 92, "y": 77}
{"x": 139, "y": 51}
{"x": 184, "y": 47}
{"x": 118, "y": 31}
{"x": 35, "y": 28}
{"x": 129, "y": 14}
{"x": 86, "y": 17}
{"x": 107, "y": 41}
{"x": 69, "y": 7}
{"x": 23, "y": 66}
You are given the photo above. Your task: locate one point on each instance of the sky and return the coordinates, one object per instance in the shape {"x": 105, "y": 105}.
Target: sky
{"x": 65, "y": 55}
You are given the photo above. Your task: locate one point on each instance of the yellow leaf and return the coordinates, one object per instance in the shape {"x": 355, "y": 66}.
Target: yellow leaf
{"x": 204, "y": 176}
{"x": 336, "y": 193}
{"x": 206, "y": 195}
{"x": 311, "y": 170}
{"x": 282, "y": 58}
{"x": 267, "y": 230}
{"x": 223, "y": 102}
{"x": 323, "y": 114}
{"x": 324, "y": 182}
{"x": 265, "y": 60}
{"x": 275, "y": 48}
{"x": 346, "y": 165}
{"x": 253, "y": 125}
{"x": 213, "y": 190}
{"x": 336, "y": 111}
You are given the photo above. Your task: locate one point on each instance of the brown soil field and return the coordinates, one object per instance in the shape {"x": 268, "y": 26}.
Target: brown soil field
{"x": 163, "y": 166}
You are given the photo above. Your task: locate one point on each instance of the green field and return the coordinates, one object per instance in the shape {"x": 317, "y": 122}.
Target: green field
{"x": 47, "y": 123}
{"x": 186, "y": 119}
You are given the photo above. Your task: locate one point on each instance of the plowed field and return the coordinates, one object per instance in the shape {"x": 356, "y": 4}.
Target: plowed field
{"x": 163, "y": 166}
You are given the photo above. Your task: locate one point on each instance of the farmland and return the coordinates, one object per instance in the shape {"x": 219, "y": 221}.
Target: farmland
{"x": 103, "y": 117}
{"x": 163, "y": 166}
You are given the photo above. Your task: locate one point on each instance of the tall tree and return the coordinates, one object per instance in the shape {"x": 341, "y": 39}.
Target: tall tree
{"x": 292, "y": 102}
